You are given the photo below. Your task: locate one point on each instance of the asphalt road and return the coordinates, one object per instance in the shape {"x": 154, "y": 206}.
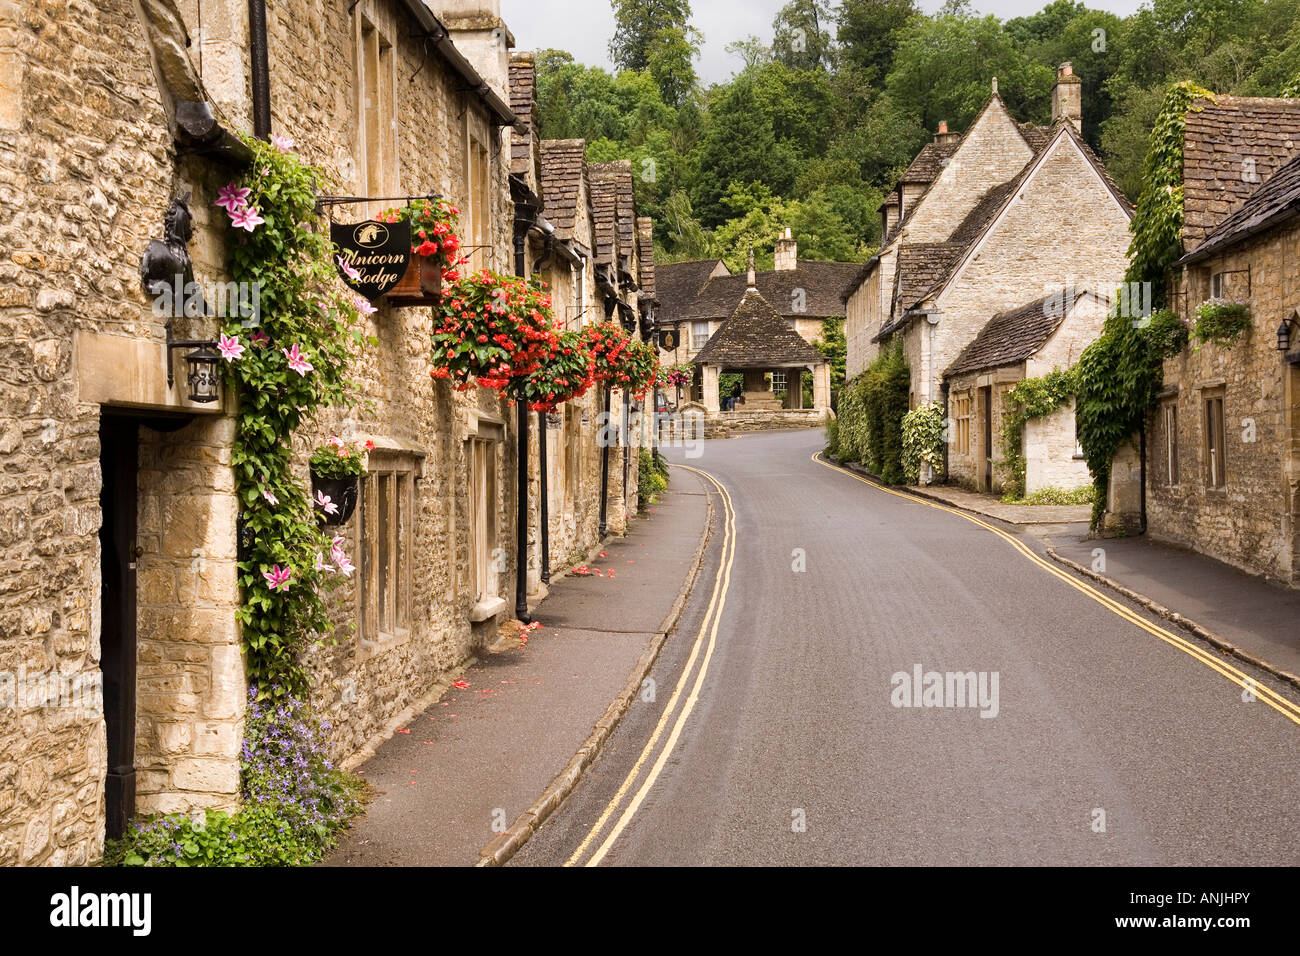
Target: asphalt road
{"x": 1109, "y": 746}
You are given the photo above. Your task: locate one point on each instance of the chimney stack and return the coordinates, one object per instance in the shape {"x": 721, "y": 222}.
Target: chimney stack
{"x": 749, "y": 273}
{"x": 943, "y": 137}
{"x": 1067, "y": 97}
{"x": 482, "y": 37}
{"x": 787, "y": 252}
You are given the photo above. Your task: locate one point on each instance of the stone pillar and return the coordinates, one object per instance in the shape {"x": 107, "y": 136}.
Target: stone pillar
{"x": 821, "y": 386}
{"x": 711, "y": 389}
{"x": 1124, "y": 494}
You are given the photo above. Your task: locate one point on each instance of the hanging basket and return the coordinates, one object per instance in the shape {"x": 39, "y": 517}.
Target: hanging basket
{"x": 421, "y": 285}
{"x": 340, "y": 491}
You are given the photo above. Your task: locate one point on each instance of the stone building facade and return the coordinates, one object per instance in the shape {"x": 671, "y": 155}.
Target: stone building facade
{"x": 980, "y": 226}
{"x": 1026, "y": 342}
{"x": 117, "y": 516}
{"x": 1223, "y": 442}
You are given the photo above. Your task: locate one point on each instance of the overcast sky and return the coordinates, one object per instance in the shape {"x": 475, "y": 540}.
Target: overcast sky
{"x": 583, "y": 27}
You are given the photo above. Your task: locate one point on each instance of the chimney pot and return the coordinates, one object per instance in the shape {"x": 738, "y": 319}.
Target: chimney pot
{"x": 1067, "y": 97}
{"x": 943, "y": 127}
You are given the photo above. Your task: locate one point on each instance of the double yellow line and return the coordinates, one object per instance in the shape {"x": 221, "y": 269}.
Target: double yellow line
{"x": 709, "y": 629}
{"x": 1283, "y": 705}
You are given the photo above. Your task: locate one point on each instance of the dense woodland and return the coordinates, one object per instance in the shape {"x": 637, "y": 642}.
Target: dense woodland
{"x": 812, "y": 130}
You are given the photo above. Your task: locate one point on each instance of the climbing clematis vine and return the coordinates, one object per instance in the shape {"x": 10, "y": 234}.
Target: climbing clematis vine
{"x": 246, "y": 218}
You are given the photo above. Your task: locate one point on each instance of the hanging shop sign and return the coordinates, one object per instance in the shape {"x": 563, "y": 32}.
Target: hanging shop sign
{"x": 374, "y": 255}
{"x": 668, "y": 340}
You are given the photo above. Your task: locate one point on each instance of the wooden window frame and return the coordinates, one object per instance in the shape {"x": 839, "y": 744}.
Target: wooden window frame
{"x": 1169, "y": 421}
{"x": 385, "y": 550}
{"x": 1216, "y": 446}
{"x": 375, "y": 70}
{"x": 483, "y": 450}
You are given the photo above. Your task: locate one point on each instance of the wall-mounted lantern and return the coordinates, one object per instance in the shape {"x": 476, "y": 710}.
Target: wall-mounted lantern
{"x": 1284, "y": 335}
{"x": 202, "y": 376}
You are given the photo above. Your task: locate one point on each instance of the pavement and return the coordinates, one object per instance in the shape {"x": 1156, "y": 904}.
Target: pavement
{"x": 1259, "y": 616}
{"x": 448, "y": 782}
{"x": 779, "y": 735}
{"x": 992, "y": 507}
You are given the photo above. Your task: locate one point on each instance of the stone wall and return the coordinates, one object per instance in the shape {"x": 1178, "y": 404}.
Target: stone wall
{"x": 1251, "y": 522}
{"x": 991, "y": 152}
{"x": 966, "y": 467}
{"x": 1065, "y": 228}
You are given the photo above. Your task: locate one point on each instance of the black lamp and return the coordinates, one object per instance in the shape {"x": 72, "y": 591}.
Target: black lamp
{"x": 1284, "y": 336}
{"x": 202, "y": 376}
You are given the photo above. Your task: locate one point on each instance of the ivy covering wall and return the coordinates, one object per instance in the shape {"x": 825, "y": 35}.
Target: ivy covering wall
{"x": 1121, "y": 373}
{"x": 872, "y": 407}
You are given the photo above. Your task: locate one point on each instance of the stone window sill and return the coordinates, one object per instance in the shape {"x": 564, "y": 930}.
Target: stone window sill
{"x": 486, "y": 608}
{"x": 384, "y": 644}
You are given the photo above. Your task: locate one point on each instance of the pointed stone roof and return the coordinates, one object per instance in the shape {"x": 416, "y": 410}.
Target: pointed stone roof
{"x": 756, "y": 336}
{"x": 1275, "y": 201}
{"x": 1016, "y": 334}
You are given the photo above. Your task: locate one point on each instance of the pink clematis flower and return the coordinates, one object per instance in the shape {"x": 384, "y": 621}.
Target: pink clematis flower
{"x": 321, "y": 565}
{"x": 345, "y": 566}
{"x": 246, "y": 218}
{"x": 348, "y": 269}
{"x": 270, "y": 497}
{"x": 327, "y": 505}
{"x": 364, "y": 307}
{"x": 229, "y": 347}
{"x": 278, "y": 578}
{"x": 259, "y": 337}
{"x": 231, "y": 198}
{"x": 297, "y": 361}
{"x": 282, "y": 143}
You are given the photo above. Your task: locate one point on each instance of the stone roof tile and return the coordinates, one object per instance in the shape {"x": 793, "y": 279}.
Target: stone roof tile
{"x": 563, "y": 162}
{"x": 756, "y": 336}
{"x": 1232, "y": 144}
{"x": 1274, "y": 201}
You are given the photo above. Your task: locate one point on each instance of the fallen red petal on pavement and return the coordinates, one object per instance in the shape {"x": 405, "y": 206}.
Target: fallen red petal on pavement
{"x": 460, "y": 683}
{"x": 402, "y": 730}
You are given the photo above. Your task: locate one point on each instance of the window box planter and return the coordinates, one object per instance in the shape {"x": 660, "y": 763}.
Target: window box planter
{"x": 1221, "y": 321}
{"x": 421, "y": 285}
{"x": 341, "y": 492}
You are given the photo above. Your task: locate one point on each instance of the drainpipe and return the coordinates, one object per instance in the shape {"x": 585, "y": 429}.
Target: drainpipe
{"x": 261, "y": 69}
{"x": 545, "y": 503}
{"x": 1142, "y": 476}
{"x": 526, "y": 209}
{"x": 610, "y": 302}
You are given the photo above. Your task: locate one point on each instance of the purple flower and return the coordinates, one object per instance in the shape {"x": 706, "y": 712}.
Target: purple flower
{"x": 270, "y": 497}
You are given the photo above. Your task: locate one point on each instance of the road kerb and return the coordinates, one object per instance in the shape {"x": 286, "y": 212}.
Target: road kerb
{"x": 1197, "y": 630}
{"x": 506, "y": 844}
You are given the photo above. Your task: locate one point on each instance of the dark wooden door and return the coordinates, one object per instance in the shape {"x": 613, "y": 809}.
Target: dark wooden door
{"x": 118, "y": 438}
{"x": 986, "y": 399}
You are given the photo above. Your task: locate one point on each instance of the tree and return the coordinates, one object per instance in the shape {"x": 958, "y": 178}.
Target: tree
{"x": 868, "y": 32}
{"x": 655, "y": 36}
{"x": 801, "y": 38}
{"x": 944, "y": 64}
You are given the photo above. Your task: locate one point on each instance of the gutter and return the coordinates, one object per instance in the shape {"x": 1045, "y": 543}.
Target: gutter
{"x": 440, "y": 36}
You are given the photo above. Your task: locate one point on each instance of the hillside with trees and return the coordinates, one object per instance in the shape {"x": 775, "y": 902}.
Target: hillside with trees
{"x": 813, "y": 129}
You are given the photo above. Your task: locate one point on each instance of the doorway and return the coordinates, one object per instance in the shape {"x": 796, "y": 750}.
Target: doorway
{"x": 119, "y": 462}
{"x": 986, "y": 406}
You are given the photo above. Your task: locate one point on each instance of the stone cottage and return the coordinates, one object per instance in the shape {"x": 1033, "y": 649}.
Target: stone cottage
{"x": 569, "y": 510}
{"x": 756, "y": 342}
{"x": 1223, "y": 442}
{"x": 697, "y": 297}
{"x": 118, "y": 519}
{"x": 1011, "y": 213}
{"x": 1025, "y": 342}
